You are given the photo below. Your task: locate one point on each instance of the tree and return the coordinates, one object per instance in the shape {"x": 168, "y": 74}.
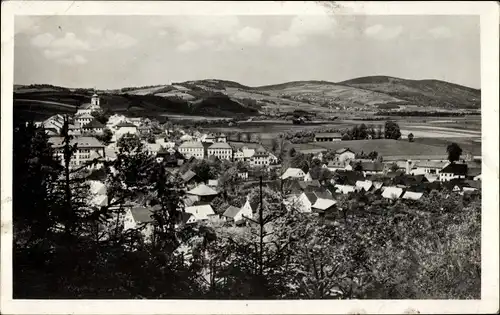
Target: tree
{"x": 151, "y": 138}
{"x": 394, "y": 167}
{"x": 358, "y": 167}
{"x": 373, "y": 155}
{"x": 346, "y": 137}
{"x": 106, "y": 136}
{"x": 362, "y": 132}
{"x": 410, "y": 137}
{"x": 102, "y": 116}
{"x": 392, "y": 130}
{"x": 454, "y": 151}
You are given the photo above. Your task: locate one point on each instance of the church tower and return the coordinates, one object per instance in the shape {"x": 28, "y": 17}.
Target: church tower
{"x": 95, "y": 102}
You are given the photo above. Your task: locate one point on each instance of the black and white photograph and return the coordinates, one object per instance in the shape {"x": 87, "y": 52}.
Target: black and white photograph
{"x": 251, "y": 156}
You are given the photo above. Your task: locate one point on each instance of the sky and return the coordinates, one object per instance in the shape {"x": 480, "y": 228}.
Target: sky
{"x": 108, "y": 52}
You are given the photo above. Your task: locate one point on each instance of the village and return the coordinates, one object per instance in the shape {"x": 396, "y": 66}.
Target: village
{"x": 312, "y": 189}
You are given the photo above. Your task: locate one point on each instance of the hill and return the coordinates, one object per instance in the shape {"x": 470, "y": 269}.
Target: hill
{"x": 223, "y": 98}
{"x": 421, "y": 92}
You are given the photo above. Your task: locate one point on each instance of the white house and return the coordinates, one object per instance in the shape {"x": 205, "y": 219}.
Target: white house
{"x": 453, "y": 171}
{"x": 260, "y": 158}
{"x": 136, "y": 217}
{"x": 192, "y": 148}
{"x": 344, "y": 154}
{"x": 83, "y": 119}
{"x": 237, "y": 215}
{"x": 427, "y": 167}
{"x": 93, "y": 127}
{"x": 221, "y": 150}
{"x": 411, "y": 195}
{"x": 293, "y": 173}
{"x": 88, "y": 148}
{"x": 345, "y": 189}
{"x": 365, "y": 185}
{"x": 124, "y": 128}
{"x": 201, "y": 212}
{"x": 244, "y": 154}
{"x": 95, "y": 105}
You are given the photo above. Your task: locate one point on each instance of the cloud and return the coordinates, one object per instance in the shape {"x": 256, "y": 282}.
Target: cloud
{"x": 73, "y": 60}
{"x": 247, "y": 36}
{"x": 312, "y": 25}
{"x": 26, "y": 24}
{"x": 188, "y": 46}
{"x": 204, "y": 26}
{"x": 302, "y": 27}
{"x": 68, "y": 48}
{"x": 440, "y": 32}
{"x": 381, "y": 32}
{"x": 284, "y": 39}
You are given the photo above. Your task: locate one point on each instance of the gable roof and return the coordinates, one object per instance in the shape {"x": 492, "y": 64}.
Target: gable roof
{"x": 454, "y": 168}
{"x": 342, "y": 150}
{"x": 188, "y": 176}
{"x": 372, "y": 166}
{"x": 200, "y": 212}
{"x": 192, "y": 144}
{"x": 94, "y": 124}
{"x": 323, "y": 204}
{"x": 231, "y": 212}
{"x": 84, "y": 116}
{"x": 328, "y": 134}
{"x": 141, "y": 214}
{"x": 412, "y": 195}
{"x": 345, "y": 189}
{"x": 125, "y": 124}
{"x": 313, "y": 183}
{"x": 85, "y": 106}
{"x": 220, "y": 145}
{"x": 365, "y": 184}
{"x": 392, "y": 192}
{"x": 202, "y": 190}
{"x": 82, "y": 142}
{"x": 292, "y": 172}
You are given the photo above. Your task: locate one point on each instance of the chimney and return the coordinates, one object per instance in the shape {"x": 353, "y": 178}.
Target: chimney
{"x": 409, "y": 166}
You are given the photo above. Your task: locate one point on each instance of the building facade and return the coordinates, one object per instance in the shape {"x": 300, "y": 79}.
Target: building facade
{"x": 192, "y": 149}
{"x": 221, "y": 150}
{"x": 88, "y": 149}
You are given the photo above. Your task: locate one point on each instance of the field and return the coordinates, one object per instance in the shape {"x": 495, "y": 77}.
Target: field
{"x": 385, "y": 147}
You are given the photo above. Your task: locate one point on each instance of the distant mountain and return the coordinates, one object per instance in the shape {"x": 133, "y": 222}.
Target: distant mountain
{"x": 421, "y": 92}
{"x": 223, "y": 98}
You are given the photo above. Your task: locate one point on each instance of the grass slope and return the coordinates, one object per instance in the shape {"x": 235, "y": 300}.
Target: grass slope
{"x": 421, "y": 92}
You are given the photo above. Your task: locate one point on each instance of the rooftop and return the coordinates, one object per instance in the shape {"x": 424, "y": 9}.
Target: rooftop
{"x": 192, "y": 144}
{"x": 202, "y": 190}
{"x": 82, "y": 142}
{"x": 231, "y": 212}
{"x": 328, "y": 135}
{"x": 142, "y": 214}
{"x": 124, "y": 124}
{"x": 220, "y": 145}
{"x": 454, "y": 168}
{"x": 94, "y": 124}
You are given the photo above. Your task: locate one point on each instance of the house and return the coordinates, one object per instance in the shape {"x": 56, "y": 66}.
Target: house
{"x": 427, "y": 167}
{"x": 55, "y": 123}
{"x": 392, "y": 192}
{"x": 213, "y": 183}
{"x": 221, "y": 137}
{"x": 221, "y": 150}
{"x": 189, "y": 178}
{"x": 316, "y": 153}
{"x": 411, "y": 195}
{"x": 74, "y": 129}
{"x": 210, "y": 138}
{"x": 273, "y": 160}
{"x": 348, "y": 177}
{"x": 293, "y": 173}
{"x": 136, "y": 217}
{"x": 249, "y": 208}
{"x": 243, "y": 154}
{"x": 314, "y": 200}
{"x": 327, "y": 137}
{"x": 260, "y": 158}
{"x": 200, "y": 213}
{"x": 192, "y": 149}
{"x": 237, "y": 215}
{"x": 372, "y": 168}
{"x": 203, "y": 193}
{"x": 93, "y": 127}
{"x": 345, "y": 189}
{"x": 453, "y": 171}
{"x": 243, "y": 173}
{"x": 333, "y": 166}
{"x": 83, "y": 119}
{"x": 152, "y": 148}
{"x": 124, "y": 128}
{"x": 171, "y": 157}
{"x": 87, "y": 149}
{"x": 365, "y": 185}
{"x": 95, "y": 105}
{"x": 344, "y": 154}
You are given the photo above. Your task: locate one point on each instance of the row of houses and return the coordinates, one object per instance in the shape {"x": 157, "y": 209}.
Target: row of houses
{"x": 224, "y": 151}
